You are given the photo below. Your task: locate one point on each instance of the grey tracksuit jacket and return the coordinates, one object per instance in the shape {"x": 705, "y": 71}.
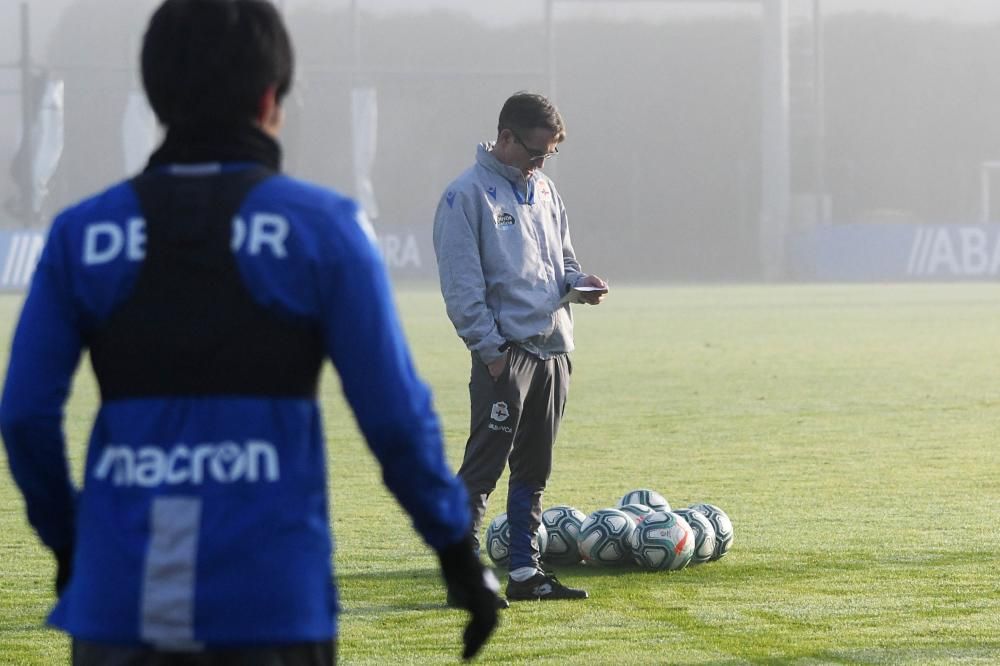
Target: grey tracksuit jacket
{"x": 505, "y": 260}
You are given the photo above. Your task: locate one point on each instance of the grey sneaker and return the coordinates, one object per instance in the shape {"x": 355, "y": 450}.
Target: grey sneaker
{"x": 541, "y": 586}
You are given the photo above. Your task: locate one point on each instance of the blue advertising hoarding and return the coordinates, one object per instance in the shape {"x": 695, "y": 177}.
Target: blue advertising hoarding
{"x": 407, "y": 254}
{"x": 833, "y": 253}
{"x": 19, "y": 251}
{"x": 408, "y": 251}
{"x": 895, "y": 252}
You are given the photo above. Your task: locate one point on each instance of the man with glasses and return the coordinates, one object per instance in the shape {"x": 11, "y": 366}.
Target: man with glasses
{"x": 506, "y": 265}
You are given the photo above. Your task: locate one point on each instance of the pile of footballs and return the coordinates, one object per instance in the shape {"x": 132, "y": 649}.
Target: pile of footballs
{"x": 641, "y": 530}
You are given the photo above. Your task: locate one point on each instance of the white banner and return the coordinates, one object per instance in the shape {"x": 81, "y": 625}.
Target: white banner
{"x": 46, "y": 142}
{"x": 364, "y": 133}
{"x": 139, "y": 133}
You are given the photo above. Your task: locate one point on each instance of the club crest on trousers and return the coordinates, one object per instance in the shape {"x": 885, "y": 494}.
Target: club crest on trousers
{"x": 500, "y": 412}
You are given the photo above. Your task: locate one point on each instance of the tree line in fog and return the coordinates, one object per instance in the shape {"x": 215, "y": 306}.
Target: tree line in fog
{"x": 661, "y": 168}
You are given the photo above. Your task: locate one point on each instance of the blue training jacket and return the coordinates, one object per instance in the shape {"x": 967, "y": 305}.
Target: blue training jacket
{"x": 202, "y": 519}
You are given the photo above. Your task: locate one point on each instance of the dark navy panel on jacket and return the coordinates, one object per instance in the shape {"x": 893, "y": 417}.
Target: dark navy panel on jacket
{"x": 190, "y": 327}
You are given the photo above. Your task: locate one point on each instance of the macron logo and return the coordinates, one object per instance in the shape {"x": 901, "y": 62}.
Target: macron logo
{"x": 225, "y": 462}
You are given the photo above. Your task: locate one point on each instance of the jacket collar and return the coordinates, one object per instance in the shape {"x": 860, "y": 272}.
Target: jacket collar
{"x": 523, "y": 187}
{"x": 485, "y": 157}
{"x": 217, "y": 143}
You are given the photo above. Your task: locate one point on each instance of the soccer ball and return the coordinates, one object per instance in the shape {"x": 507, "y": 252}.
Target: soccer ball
{"x": 723, "y": 527}
{"x": 562, "y": 523}
{"x": 637, "y": 511}
{"x": 498, "y": 540}
{"x": 663, "y": 541}
{"x": 604, "y": 537}
{"x": 704, "y": 534}
{"x": 650, "y": 498}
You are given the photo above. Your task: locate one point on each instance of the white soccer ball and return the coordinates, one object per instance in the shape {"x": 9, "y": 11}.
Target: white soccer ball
{"x": 650, "y": 498}
{"x": 704, "y": 534}
{"x": 498, "y": 540}
{"x": 604, "y": 537}
{"x": 663, "y": 541}
{"x": 637, "y": 511}
{"x": 723, "y": 527}
{"x": 562, "y": 523}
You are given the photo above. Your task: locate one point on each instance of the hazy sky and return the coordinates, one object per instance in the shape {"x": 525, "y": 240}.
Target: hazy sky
{"x": 526, "y": 10}
{"x": 958, "y": 10}
{"x": 44, "y": 13}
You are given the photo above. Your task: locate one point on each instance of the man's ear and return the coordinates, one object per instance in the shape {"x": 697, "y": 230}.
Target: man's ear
{"x": 269, "y": 110}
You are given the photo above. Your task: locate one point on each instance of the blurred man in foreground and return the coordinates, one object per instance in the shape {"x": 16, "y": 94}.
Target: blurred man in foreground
{"x": 208, "y": 291}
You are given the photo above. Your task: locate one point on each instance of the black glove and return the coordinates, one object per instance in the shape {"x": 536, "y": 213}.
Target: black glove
{"x": 64, "y": 568}
{"x": 473, "y": 587}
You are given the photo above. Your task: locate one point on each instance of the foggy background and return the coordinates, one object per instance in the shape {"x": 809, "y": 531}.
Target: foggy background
{"x": 661, "y": 170}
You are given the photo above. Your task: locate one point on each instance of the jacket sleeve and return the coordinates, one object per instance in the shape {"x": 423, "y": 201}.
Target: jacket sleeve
{"x": 460, "y": 269}
{"x": 393, "y": 407}
{"x": 43, "y": 357}
{"x": 571, "y": 266}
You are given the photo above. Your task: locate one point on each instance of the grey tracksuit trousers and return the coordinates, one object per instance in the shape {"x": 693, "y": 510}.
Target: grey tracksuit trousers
{"x": 516, "y": 418}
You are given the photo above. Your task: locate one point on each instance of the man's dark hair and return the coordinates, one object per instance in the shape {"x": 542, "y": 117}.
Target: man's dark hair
{"x": 210, "y": 61}
{"x": 526, "y": 111}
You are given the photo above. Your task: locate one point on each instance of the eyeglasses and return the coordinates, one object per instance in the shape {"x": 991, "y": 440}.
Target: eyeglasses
{"x": 534, "y": 155}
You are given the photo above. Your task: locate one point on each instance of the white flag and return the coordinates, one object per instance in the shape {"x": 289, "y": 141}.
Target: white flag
{"x": 364, "y": 126}
{"x": 46, "y": 141}
{"x": 139, "y": 132}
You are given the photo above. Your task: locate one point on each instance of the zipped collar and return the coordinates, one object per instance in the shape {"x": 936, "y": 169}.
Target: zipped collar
{"x": 522, "y": 187}
{"x": 217, "y": 143}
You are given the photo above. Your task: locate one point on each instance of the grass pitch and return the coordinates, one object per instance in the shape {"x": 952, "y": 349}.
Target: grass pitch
{"x": 850, "y": 432}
